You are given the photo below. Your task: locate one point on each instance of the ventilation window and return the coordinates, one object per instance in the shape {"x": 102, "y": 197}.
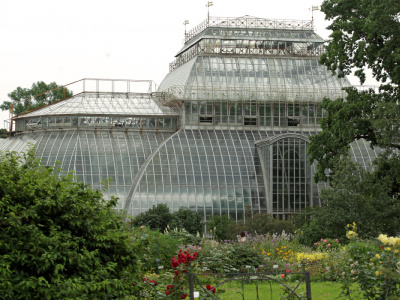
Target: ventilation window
{"x": 207, "y": 120}
{"x": 250, "y": 121}
{"x": 293, "y": 122}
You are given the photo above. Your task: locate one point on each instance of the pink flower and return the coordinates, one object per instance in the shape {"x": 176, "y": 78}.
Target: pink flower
{"x": 329, "y": 245}
{"x": 324, "y": 241}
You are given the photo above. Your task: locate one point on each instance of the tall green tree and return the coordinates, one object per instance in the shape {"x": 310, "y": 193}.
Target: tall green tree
{"x": 365, "y": 35}
{"x": 60, "y": 239}
{"x": 359, "y": 196}
{"x": 20, "y": 94}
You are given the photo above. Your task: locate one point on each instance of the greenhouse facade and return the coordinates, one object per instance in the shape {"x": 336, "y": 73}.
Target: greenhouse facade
{"x": 226, "y": 131}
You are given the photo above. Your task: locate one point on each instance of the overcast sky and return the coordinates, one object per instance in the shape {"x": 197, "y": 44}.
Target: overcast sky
{"x": 64, "y": 41}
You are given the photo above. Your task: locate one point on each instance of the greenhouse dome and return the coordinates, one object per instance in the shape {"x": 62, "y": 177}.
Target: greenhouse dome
{"x": 226, "y": 131}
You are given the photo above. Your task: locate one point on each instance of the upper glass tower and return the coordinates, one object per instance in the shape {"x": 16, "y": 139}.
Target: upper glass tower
{"x": 248, "y": 73}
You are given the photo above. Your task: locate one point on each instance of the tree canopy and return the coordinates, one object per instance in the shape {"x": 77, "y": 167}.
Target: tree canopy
{"x": 365, "y": 35}
{"x": 20, "y": 94}
{"x": 60, "y": 239}
{"x": 160, "y": 217}
{"x": 356, "y": 195}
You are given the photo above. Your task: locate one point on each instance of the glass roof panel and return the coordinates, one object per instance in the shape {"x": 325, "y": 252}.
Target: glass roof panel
{"x": 254, "y": 78}
{"x": 105, "y": 104}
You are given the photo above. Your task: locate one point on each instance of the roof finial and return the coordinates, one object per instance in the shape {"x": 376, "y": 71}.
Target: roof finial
{"x": 185, "y": 23}
{"x": 312, "y": 13}
{"x": 209, "y": 3}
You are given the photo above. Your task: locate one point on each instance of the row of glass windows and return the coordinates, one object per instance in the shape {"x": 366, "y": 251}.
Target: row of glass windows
{"x": 249, "y": 47}
{"x": 262, "y": 73}
{"x": 253, "y": 114}
{"x": 39, "y": 123}
{"x": 263, "y": 33}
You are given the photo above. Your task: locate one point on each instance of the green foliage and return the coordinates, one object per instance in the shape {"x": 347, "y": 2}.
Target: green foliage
{"x": 221, "y": 224}
{"x": 374, "y": 268}
{"x": 228, "y": 257}
{"x": 327, "y": 245}
{"x": 356, "y": 196}
{"x": 58, "y": 238}
{"x": 37, "y": 88}
{"x": 259, "y": 224}
{"x": 3, "y": 133}
{"x": 156, "y": 249}
{"x": 159, "y": 217}
{"x": 184, "y": 237}
{"x": 366, "y": 34}
{"x": 189, "y": 220}
{"x": 243, "y": 255}
{"x": 215, "y": 258}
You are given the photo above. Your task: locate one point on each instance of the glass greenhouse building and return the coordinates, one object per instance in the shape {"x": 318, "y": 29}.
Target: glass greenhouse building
{"x": 226, "y": 130}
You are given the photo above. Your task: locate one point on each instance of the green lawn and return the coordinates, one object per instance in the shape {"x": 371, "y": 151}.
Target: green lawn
{"x": 319, "y": 290}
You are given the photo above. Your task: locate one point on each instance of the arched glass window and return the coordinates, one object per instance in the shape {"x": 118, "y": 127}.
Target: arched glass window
{"x": 286, "y": 172}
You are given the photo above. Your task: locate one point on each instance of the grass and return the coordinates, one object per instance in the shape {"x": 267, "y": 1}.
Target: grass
{"x": 319, "y": 290}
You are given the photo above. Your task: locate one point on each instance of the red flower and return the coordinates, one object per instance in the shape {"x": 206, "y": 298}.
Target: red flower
{"x": 170, "y": 288}
{"x": 184, "y": 295}
{"x": 282, "y": 275}
{"x": 210, "y": 288}
{"x": 153, "y": 282}
{"x": 287, "y": 271}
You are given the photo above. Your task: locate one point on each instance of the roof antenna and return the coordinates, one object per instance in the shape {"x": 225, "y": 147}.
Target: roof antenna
{"x": 312, "y": 14}
{"x": 209, "y": 3}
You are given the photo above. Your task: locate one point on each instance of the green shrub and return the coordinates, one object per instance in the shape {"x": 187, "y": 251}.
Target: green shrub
{"x": 228, "y": 257}
{"x": 184, "y": 237}
{"x": 215, "y": 258}
{"x": 243, "y": 255}
{"x": 60, "y": 239}
{"x": 326, "y": 245}
{"x": 156, "y": 249}
{"x": 356, "y": 195}
{"x": 157, "y": 217}
{"x": 259, "y": 224}
{"x": 221, "y": 225}
{"x": 160, "y": 217}
{"x": 190, "y": 220}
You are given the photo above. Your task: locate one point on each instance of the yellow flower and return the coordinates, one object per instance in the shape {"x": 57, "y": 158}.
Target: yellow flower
{"x": 351, "y": 234}
{"x": 388, "y": 248}
{"x": 348, "y": 225}
{"x": 377, "y": 273}
{"x": 354, "y": 223}
{"x": 377, "y": 256}
{"x": 395, "y": 251}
